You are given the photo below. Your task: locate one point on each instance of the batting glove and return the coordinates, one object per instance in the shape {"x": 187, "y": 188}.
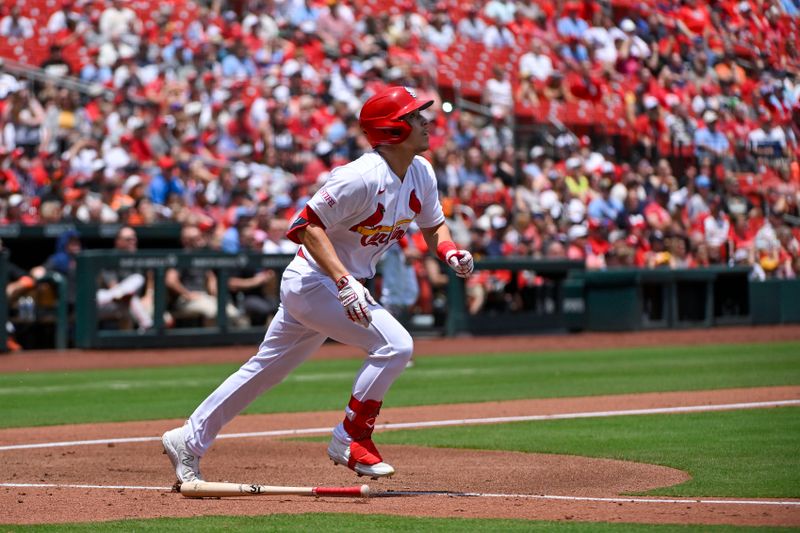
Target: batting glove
{"x": 460, "y": 261}
{"x": 355, "y": 299}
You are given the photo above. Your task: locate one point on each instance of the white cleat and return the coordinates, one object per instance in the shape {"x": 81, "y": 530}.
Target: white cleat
{"x": 186, "y": 464}
{"x": 359, "y": 456}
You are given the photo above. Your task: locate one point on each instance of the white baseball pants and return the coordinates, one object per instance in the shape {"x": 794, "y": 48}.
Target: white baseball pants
{"x": 310, "y": 312}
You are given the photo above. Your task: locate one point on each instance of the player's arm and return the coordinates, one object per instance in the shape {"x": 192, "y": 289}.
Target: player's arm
{"x": 436, "y": 235}
{"x": 355, "y": 298}
{"x": 438, "y": 238}
{"x": 316, "y": 241}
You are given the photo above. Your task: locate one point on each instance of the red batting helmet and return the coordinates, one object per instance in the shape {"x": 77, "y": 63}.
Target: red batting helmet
{"x": 380, "y": 116}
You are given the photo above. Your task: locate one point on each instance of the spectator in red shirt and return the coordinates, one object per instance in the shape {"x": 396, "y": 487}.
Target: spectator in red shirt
{"x": 694, "y": 18}
{"x": 651, "y": 131}
{"x": 656, "y": 212}
{"x": 137, "y": 144}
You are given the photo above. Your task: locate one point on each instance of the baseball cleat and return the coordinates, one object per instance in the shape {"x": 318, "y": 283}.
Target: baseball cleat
{"x": 186, "y": 464}
{"x": 359, "y": 456}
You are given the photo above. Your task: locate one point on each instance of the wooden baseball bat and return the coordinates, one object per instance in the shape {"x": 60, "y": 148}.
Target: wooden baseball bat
{"x": 209, "y": 489}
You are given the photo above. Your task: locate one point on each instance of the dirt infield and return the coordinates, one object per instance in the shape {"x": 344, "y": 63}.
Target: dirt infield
{"x": 512, "y": 485}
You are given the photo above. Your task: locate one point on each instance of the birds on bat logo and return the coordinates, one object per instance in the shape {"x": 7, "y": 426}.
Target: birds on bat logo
{"x": 373, "y": 233}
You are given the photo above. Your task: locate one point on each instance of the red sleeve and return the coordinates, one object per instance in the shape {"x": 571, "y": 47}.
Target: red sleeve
{"x": 307, "y": 216}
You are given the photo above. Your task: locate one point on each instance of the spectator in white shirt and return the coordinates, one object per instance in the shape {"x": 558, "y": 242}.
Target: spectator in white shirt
{"x": 58, "y": 20}
{"x": 627, "y": 32}
{"x": 498, "y": 36}
{"x": 601, "y": 41}
{"x": 472, "y": 27}
{"x": 536, "y": 63}
{"x": 121, "y": 21}
{"x": 440, "y": 32}
{"x": 16, "y": 26}
{"x": 768, "y": 140}
{"x": 498, "y": 93}
{"x": 500, "y": 11}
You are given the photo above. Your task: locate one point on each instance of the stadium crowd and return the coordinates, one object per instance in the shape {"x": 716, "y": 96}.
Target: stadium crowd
{"x": 228, "y": 120}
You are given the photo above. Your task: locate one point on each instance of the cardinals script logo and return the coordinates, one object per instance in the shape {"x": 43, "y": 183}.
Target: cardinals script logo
{"x": 373, "y": 233}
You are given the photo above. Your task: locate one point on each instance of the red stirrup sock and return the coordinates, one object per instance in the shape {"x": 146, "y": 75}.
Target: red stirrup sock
{"x": 359, "y": 424}
{"x": 360, "y": 420}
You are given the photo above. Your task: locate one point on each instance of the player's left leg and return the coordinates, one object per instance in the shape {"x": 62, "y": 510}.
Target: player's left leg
{"x": 389, "y": 347}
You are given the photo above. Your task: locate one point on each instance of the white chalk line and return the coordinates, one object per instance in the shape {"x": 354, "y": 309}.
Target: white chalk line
{"x": 448, "y": 494}
{"x": 430, "y": 423}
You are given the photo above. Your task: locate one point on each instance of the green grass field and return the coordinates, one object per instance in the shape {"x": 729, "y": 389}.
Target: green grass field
{"x": 746, "y": 453}
{"x": 48, "y": 398}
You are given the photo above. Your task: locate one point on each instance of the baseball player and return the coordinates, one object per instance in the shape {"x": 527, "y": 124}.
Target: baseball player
{"x": 363, "y": 208}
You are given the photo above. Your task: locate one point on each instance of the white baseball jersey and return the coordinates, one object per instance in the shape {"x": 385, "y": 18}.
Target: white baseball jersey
{"x": 366, "y": 208}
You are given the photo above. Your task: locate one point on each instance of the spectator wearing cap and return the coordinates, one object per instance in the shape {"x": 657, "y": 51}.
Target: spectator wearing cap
{"x": 63, "y": 261}
{"x": 715, "y": 225}
{"x": 768, "y": 140}
{"x": 710, "y": 143}
{"x": 533, "y": 167}
{"x": 136, "y": 141}
{"x": 231, "y": 239}
{"x": 13, "y": 210}
{"x": 651, "y": 130}
{"x": 656, "y": 212}
{"x": 166, "y": 181}
{"x": 92, "y": 71}
{"x": 698, "y": 202}
{"x": 161, "y": 139}
{"x": 576, "y": 237}
{"x": 570, "y": 26}
{"x": 604, "y": 208}
{"x": 576, "y": 181}
{"x": 636, "y": 46}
